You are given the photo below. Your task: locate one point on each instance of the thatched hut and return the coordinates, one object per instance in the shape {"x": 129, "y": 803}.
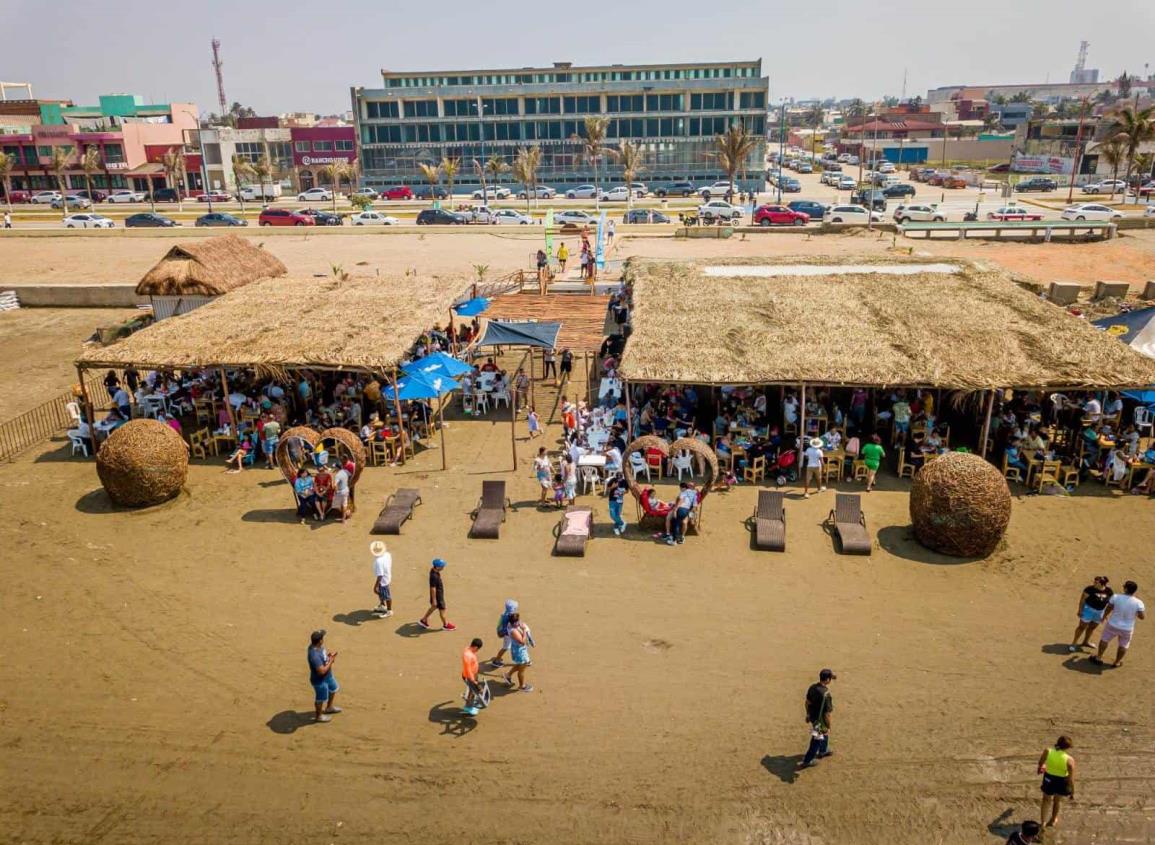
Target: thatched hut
{"x": 193, "y": 274}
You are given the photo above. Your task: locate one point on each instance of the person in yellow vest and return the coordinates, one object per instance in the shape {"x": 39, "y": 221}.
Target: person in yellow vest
{"x": 1057, "y": 767}
{"x": 562, "y": 255}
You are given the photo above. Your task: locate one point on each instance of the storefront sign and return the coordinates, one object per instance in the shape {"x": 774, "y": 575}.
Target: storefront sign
{"x": 116, "y": 165}
{"x": 310, "y": 161}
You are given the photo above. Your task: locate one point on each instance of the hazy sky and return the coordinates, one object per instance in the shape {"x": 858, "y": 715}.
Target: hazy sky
{"x": 291, "y": 56}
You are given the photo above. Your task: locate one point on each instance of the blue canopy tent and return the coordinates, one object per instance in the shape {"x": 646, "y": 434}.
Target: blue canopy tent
{"x": 471, "y": 307}
{"x": 1137, "y": 330}
{"x": 417, "y": 385}
{"x": 438, "y": 364}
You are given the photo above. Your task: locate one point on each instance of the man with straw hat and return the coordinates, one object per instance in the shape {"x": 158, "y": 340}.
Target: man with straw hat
{"x": 382, "y": 578}
{"x": 812, "y": 467}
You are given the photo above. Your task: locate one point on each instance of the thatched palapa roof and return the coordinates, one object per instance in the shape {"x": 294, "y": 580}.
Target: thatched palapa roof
{"x": 294, "y": 323}
{"x": 966, "y": 330}
{"x": 209, "y": 267}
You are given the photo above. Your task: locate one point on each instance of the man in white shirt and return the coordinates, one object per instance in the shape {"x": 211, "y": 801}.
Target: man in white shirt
{"x": 812, "y": 467}
{"x": 123, "y": 402}
{"x": 790, "y": 409}
{"x": 1119, "y": 622}
{"x": 1092, "y": 410}
{"x": 382, "y": 577}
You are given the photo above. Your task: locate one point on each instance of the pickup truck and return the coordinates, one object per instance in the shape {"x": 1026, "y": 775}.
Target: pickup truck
{"x": 1013, "y": 212}
{"x": 718, "y": 210}
{"x": 480, "y": 214}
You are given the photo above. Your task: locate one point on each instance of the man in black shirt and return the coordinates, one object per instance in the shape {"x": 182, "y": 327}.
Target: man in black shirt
{"x": 436, "y": 597}
{"x": 1028, "y": 833}
{"x": 819, "y": 708}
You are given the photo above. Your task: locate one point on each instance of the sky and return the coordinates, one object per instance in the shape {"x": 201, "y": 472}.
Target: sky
{"x": 285, "y": 55}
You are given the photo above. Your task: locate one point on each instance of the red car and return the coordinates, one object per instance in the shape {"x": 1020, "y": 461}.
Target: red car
{"x": 779, "y": 215}
{"x": 19, "y": 196}
{"x": 284, "y": 217}
{"x": 397, "y": 192}
{"x": 215, "y": 196}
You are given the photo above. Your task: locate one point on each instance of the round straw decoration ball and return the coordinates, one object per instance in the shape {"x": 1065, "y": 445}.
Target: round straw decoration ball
{"x": 352, "y": 445}
{"x": 144, "y": 462}
{"x": 308, "y": 439}
{"x": 960, "y": 505}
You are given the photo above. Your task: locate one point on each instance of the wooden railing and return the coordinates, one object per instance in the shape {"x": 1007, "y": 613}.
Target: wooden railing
{"x": 41, "y": 423}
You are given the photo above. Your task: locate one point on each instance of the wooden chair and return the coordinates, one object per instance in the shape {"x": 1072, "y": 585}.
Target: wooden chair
{"x": 1011, "y": 473}
{"x": 905, "y": 469}
{"x": 1048, "y": 473}
{"x": 831, "y": 468}
{"x": 200, "y": 444}
{"x": 756, "y": 471}
{"x": 770, "y": 521}
{"x": 849, "y": 524}
{"x": 859, "y": 470}
{"x": 1069, "y": 475}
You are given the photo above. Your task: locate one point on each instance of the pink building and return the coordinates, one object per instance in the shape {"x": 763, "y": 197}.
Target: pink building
{"x": 316, "y": 146}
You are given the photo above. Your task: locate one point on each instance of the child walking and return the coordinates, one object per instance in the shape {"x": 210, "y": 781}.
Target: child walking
{"x": 534, "y": 423}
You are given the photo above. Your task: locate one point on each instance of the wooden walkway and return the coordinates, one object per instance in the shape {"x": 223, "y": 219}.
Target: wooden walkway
{"x": 582, "y": 317}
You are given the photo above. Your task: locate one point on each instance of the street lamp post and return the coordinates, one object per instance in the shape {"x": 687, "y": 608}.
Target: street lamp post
{"x": 781, "y": 145}
{"x": 204, "y": 168}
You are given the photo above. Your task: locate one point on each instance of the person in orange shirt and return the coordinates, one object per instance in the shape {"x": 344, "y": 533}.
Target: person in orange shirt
{"x": 474, "y": 700}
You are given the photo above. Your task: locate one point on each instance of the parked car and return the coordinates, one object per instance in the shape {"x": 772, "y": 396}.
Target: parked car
{"x": 322, "y": 217}
{"x": 479, "y": 214}
{"x": 832, "y": 166}
{"x": 16, "y": 195}
{"x": 1106, "y": 186}
{"x": 1091, "y": 211}
{"x": 315, "y": 195}
{"x": 44, "y": 197}
{"x": 72, "y": 201}
{"x": 148, "y": 220}
{"x": 429, "y": 192}
{"x": 573, "y": 217}
{"x": 439, "y": 217}
{"x": 1146, "y": 191}
{"x": 1013, "y": 212}
{"x": 618, "y": 193}
{"x": 397, "y": 192}
{"x": 716, "y": 189}
{"x": 779, "y": 215}
{"x": 541, "y": 192}
{"x": 719, "y": 210}
{"x": 262, "y": 192}
{"x": 510, "y": 217}
{"x": 954, "y": 181}
{"x": 919, "y": 213}
{"x": 829, "y": 177}
{"x": 93, "y": 195}
{"x": 376, "y": 218}
{"x": 497, "y": 192}
{"x": 1149, "y": 211}
{"x": 581, "y": 192}
{"x": 168, "y": 195}
{"x": 367, "y": 192}
{"x": 127, "y": 196}
{"x": 846, "y": 183}
{"x": 813, "y": 210}
{"x": 901, "y": 189}
{"x": 88, "y": 221}
{"x": 283, "y": 217}
{"x": 852, "y": 159}
{"x": 1037, "y": 183}
{"x": 220, "y": 218}
{"x": 886, "y": 167}
{"x": 805, "y": 167}
{"x": 675, "y": 189}
{"x": 844, "y": 158}
{"x": 644, "y": 215}
{"x": 640, "y": 190}
{"x": 850, "y": 214}
{"x": 876, "y": 200}
{"x": 790, "y": 185}
{"x": 215, "y": 196}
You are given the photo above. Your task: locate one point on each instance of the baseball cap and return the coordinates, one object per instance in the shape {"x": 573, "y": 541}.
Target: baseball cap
{"x": 438, "y": 563}
{"x": 827, "y": 675}
{"x": 317, "y": 636}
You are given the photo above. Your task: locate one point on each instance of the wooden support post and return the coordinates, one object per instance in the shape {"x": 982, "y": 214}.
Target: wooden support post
{"x": 531, "y": 399}
{"x": 802, "y": 425}
{"x": 229, "y": 406}
{"x": 987, "y": 424}
{"x": 629, "y": 412}
{"x": 401, "y": 432}
{"x": 89, "y": 410}
{"x": 441, "y": 423}
{"x": 513, "y": 423}
{"x": 589, "y": 381}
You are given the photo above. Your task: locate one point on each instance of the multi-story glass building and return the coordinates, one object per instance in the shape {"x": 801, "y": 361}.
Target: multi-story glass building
{"x": 673, "y": 111}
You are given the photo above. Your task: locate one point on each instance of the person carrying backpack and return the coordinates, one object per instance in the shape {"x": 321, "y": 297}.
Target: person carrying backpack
{"x": 503, "y": 631}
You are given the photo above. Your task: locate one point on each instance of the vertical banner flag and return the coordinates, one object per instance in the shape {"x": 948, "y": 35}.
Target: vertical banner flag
{"x": 549, "y": 233}
{"x": 600, "y": 249}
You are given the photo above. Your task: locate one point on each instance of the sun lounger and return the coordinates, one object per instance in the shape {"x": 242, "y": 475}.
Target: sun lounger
{"x": 490, "y": 510}
{"x": 573, "y": 532}
{"x": 398, "y": 508}
{"x": 770, "y": 522}
{"x": 850, "y": 524}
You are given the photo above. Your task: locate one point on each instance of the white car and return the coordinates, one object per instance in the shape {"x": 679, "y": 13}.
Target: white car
{"x": 1149, "y": 211}
{"x": 719, "y": 210}
{"x": 886, "y": 167}
{"x": 44, "y": 197}
{"x": 126, "y": 196}
{"x": 1105, "y": 187}
{"x": 620, "y": 193}
{"x": 574, "y": 218}
{"x": 315, "y": 195}
{"x": 582, "y": 192}
{"x": 640, "y": 189}
{"x": 830, "y": 177}
{"x": 850, "y": 214}
{"x": 542, "y": 192}
{"x": 844, "y": 158}
{"x": 718, "y": 189}
{"x": 496, "y": 192}
{"x": 372, "y": 218}
{"x": 920, "y": 213}
{"x": 846, "y": 183}
{"x": 509, "y": 217}
{"x": 1091, "y": 211}
{"x": 852, "y": 159}
{"x": 366, "y": 192}
{"x": 88, "y": 221}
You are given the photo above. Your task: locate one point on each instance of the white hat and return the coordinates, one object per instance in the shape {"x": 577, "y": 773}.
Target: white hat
{"x": 816, "y": 442}
{"x": 377, "y": 548}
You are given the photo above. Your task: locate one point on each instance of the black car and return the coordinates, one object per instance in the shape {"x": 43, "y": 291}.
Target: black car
{"x": 814, "y": 209}
{"x": 644, "y": 215}
{"x": 218, "y": 218}
{"x": 323, "y": 218}
{"x": 93, "y": 195}
{"x": 901, "y": 189}
{"x": 874, "y": 200}
{"x": 790, "y": 185}
{"x": 439, "y": 217}
{"x": 676, "y": 189}
{"x": 148, "y": 220}
{"x": 832, "y": 166}
{"x": 165, "y": 195}
{"x": 1037, "y": 183}
{"x": 426, "y": 192}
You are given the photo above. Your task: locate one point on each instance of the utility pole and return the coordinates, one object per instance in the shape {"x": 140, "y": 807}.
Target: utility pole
{"x": 781, "y": 145}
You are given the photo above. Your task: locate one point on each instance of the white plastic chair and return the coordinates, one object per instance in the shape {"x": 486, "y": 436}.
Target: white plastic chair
{"x": 590, "y": 478}
{"x": 78, "y": 443}
{"x": 1144, "y": 419}
{"x": 638, "y": 465}
{"x": 73, "y": 409}
{"x": 481, "y": 403}
{"x": 501, "y": 396}
{"x": 684, "y": 462}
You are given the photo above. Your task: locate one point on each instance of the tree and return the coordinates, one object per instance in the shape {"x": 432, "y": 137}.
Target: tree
{"x": 265, "y": 171}
{"x": 450, "y": 167}
{"x": 593, "y": 140}
{"x": 173, "y": 163}
{"x": 1039, "y": 111}
{"x": 90, "y": 163}
{"x": 1114, "y": 152}
{"x": 855, "y": 108}
{"x": 525, "y": 171}
{"x": 7, "y": 164}
{"x": 242, "y": 169}
{"x": 732, "y": 148}
{"x": 335, "y": 171}
{"x": 1021, "y": 97}
{"x": 1133, "y": 127}
{"x": 815, "y": 117}
{"x": 432, "y": 174}
{"x": 61, "y": 161}
{"x": 632, "y": 158}
{"x": 495, "y": 167}
{"x": 1124, "y": 83}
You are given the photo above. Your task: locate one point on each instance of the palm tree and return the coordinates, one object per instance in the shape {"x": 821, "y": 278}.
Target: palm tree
{"x": 432, "y": 174}
{"x": 732, "y": 149}
{"x": 90, "y": 164}
{"x": 1040, "y": 110}
{"x": 815, "y": 117}
{"x": 593, "y": 142}
{"x": 1133, "y": 126}
{"x": 337, "y": 170}
{"x": 632, "y": 158}
{"x": 7, "y": 164}
{"x": 1114, "y": 152}
{"x": 61, "y": 161}
{"x": 242, "y": 169}
{"x": 495, "y": 167}
{"x": 855, "y": 108}
{"x": 450, "y": 167}
{"x": 173, "y": 163}
{"x": 525, "y": 171}
{"x": 265, "y": 170}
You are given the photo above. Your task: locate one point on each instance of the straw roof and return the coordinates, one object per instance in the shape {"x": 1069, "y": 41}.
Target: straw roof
{"x": 209, "y": 267}
{"x": 582, "y": 317}
{"x": 294, "y": 323}
{"x": 967, "y": 330}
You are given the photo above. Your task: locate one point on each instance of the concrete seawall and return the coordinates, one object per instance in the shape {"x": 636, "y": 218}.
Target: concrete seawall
{"x": 77, "y": 296}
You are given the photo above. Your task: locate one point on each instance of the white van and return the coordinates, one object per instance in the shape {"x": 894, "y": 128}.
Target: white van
{"x": 268, "y": 191}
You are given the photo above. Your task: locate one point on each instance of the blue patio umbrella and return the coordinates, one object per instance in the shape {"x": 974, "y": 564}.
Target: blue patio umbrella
{"x": 420, "y": 386}
{"x": 437, "y": 364}
{"x": 471, "y": 307}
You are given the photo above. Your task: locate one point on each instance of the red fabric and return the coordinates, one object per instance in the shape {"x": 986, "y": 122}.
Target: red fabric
{"x": 651, "y": 507}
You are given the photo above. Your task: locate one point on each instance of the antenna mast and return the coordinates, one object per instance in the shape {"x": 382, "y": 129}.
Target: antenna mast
{"x": 217, "y": 68}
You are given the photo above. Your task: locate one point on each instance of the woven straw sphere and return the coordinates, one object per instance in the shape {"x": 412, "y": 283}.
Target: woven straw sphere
{"x": 688, "y": 444}
{"x": 308, "y": 439}
{"x": 144, "y": 462}
{"x": 351, "y": 447}
{"x": 960, "y": 505}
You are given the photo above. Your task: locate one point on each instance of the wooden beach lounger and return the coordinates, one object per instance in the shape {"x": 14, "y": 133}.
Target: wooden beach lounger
{"x": 850, "y": 524}
{"x": 398, "y": 508}
{"x": 490, "y": 511}
{"x": 770, "y": 522}
{"x": 573, "y": 532}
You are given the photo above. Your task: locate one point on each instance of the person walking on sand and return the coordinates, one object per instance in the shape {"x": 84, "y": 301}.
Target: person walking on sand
{"x": 1092, "y": 607}
{"x": 473, "y": 701}
{"x": 872, "y": 455}
{"x": 503, "y": 632}
{"x": 819, "y": 707}
{"x": 543, "y": 471}
{"x": 382, "y": 578}
{"x": 8, "y": 220}
{"x": 549, "y": 364}
{"x": 812, "y": 467}
{"x": 520, "y": 642}
{"x": 562, "y": 256}
{"x": 616, "y": 494}
{"x": 325, "y": 686}
{"x": 1119, "y": 622}
{"x": 534, "y": 423}
{"x": 569, "y": 470}
{"x": 1058, "y": 770}
{"x": 436, "y": 597}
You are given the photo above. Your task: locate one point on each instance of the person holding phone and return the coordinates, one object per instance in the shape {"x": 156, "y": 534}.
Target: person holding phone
{"x": 321, "y": 677}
